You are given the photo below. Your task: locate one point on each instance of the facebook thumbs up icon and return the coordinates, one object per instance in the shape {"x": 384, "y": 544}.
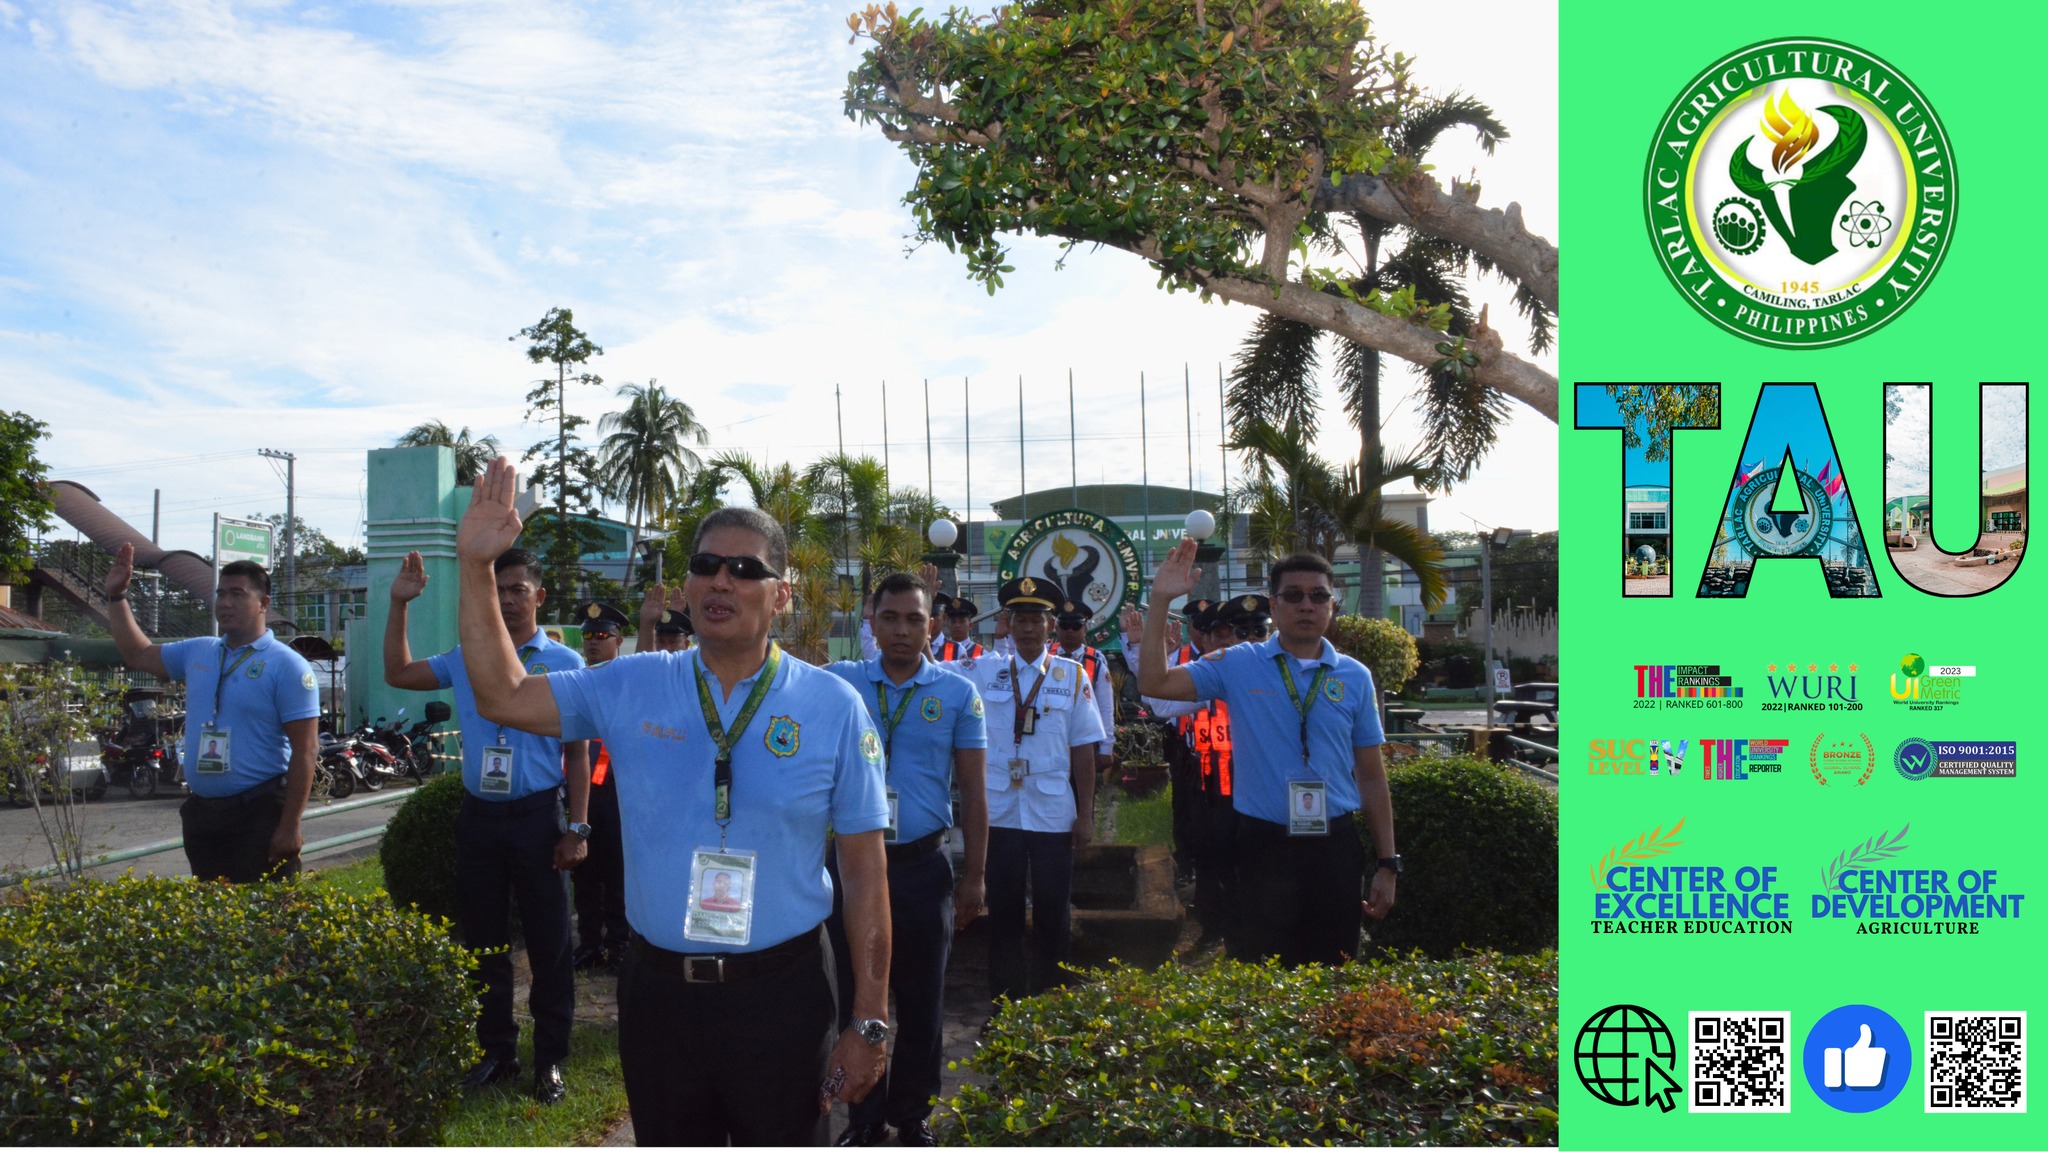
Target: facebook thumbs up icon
{"x": 1859, "y": 1067}
{"x": 1857, "y": 1058}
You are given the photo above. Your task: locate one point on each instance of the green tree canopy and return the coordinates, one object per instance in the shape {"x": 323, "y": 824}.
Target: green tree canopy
{"x": 24, "y": 503}
{"x": 565, "y": 465}
{"x": 1214, "y": 139}
{"x": 471, "y": 456}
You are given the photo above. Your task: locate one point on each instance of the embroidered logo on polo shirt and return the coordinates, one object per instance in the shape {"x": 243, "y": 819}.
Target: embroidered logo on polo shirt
{"x": 255, "y": 670}
{"x": 1333, "y": 691}
{"x": 930, "y": 709}
{"x": 870, "y": 747}
{"x": 975, "y": 708}
{"x": 783, "y": 736}
{"x": 307, "y": 681}
{"x": 1216, "y": 655}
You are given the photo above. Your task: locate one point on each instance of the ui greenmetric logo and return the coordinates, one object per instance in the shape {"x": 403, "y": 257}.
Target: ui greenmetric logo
{"x": 1800, "y": 193}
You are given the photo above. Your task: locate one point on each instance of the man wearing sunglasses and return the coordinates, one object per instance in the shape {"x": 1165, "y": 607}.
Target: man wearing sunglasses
{"x": 1306, "y": 764}
{"x": 511, "y": 842}
{"x": 730, "y": 759}
{"x": 933, "y": 735}
{"x": 1041, "y": 789}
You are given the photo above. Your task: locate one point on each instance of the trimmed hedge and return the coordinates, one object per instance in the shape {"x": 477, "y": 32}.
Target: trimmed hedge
{"x": 1411, "y": 1051}
{"x": 1479, "y": 858}
{"x": 150, "y": 1011}
{"x": 418, "y": 852}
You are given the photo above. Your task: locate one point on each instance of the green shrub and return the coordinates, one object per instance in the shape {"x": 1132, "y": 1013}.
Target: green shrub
{"x": 1381, "y": 645}
{"x": 418, "y": 851}
{"x": 1409, "y": 1051}
{"x": 150, "y": 1011}
{"x": 1479, "y": 856}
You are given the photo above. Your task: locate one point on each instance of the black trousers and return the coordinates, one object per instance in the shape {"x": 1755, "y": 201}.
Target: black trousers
{"x": 1185, "y": 781}
{"x": 1216, "y": 866}
{"x": 600, "y": 881}
{"x": 228, "y": 838}
{"x": 717, "y": 1063}
{"x": 506, "y": 852}
{"x": 1298, "y": 896}
{"x": 1046, "y": 860}
{"x": 921, "y": 943}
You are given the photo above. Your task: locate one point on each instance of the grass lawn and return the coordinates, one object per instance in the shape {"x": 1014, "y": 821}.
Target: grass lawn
{"x": 507, "y": 1115}
{"x": 1146, "y": 821}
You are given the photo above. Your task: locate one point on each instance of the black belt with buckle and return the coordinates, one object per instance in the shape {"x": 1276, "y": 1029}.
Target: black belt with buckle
{"x": 264, "y": 791}
{"x": 730, "y": 967}
{"x": 916, "y": 849}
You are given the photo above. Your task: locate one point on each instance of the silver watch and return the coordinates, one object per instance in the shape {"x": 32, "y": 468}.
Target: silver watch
{"x": 873, "y": 1031}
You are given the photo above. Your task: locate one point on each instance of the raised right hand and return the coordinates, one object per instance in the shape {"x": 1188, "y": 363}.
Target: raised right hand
{"x": 491, "y": 525}
{"x": 1134, "y": 621}
{"x": 411, "y": 579}
{"x": 122, "y": 571}
{"x": 1175, "y": 576}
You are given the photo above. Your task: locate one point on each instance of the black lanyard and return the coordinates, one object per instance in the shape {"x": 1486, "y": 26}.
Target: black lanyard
{"x": 1023, "y": 702}
{"x": 226, "y": 668}
{"x": 1302, "y": 706}
{"x": 889, "y": 720}
{"x": 721, "y": 780}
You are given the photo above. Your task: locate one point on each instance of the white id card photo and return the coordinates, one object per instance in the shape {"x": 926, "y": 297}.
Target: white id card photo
{"x": 721, "y": 897}
{"x": 213, "y": 751}
{"x": 497, "y": 774}
{"x": 1308, "y": 812}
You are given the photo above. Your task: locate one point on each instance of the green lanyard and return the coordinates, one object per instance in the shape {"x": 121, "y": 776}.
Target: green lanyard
{"x": 1300, "y": 705}
{"x": 721, "y": 780}
{"x": 891, "y": 720}
{"x": 226, "y": 669}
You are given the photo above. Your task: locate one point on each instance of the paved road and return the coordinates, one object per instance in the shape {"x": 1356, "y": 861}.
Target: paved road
{"x": 119, "y": 821}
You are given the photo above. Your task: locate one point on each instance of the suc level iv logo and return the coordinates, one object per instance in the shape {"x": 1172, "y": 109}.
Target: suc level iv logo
{"x": 1800, "y": 192}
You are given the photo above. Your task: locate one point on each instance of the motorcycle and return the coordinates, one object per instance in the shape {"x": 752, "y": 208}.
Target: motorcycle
{"x": 142, "y": 754}
{"x": 339, "y": 767}
{"x": 410, "y": 748}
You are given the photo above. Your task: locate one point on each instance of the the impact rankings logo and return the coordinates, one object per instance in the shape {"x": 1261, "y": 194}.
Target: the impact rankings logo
{"x": 1800, "y": 193}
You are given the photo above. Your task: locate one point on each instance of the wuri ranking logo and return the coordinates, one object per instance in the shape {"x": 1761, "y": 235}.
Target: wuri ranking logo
{"x": 1800, "y": 193}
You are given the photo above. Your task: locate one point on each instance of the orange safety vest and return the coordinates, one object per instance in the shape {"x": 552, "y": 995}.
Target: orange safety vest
{"x": 1209, "y": 735}
{"x": 601, "y": 764}
{"x": 1088, "y": 658}
{"x": 956, "y": 650}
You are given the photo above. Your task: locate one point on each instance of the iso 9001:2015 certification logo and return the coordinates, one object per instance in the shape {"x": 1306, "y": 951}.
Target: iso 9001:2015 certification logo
{"x": 1800, "y": 193}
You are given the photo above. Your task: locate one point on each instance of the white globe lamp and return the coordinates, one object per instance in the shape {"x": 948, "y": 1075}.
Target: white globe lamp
{"x": 1200, "y": 525}
{"x": 942, "y": 533}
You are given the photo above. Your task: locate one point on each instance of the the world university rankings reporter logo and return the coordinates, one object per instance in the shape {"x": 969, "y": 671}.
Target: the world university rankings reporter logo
{"x": 1800, "y": 192}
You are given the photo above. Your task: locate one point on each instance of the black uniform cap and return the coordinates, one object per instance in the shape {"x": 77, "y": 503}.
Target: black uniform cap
{"x": 1072, "y": 615}
{"x": 675, "y": 623}
{"x": 601, "y": 617}
{"x": 1240, "y": 610}
{"x": 1030, "y": 594}
{"x": 959, "y": 606}
{"x": 1201, "y": 614}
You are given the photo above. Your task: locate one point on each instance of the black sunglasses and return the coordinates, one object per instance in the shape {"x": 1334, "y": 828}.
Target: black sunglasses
{"x": 1252, "y": 632}
{"x": 707, "y": 564}
{"x": 1296, "y": 595}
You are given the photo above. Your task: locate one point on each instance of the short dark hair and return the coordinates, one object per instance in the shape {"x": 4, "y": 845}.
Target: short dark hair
{"x": 896, "y": 582}
{"x": 1300, "y": 562}
{"x": 521, "y": 558}
{"x": 248, "y": 570}
{"x": 753, "y": 520}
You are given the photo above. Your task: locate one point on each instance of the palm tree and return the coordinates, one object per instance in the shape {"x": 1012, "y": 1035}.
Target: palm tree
{"x": 1275, "y": 374}
{"x": 471, "y": 456}
{"x": 645, "y": 460}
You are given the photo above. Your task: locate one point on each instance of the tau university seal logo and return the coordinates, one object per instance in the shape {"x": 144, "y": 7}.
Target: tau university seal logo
{"x": 1800, "y": 193}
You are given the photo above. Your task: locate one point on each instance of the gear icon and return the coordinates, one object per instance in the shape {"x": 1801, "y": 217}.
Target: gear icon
{"x": 1739, "y": 226}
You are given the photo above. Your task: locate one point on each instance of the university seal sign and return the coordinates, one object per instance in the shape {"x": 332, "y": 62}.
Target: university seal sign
{"x": 1800, "y": 193}
{"x": 1091, "y": 560}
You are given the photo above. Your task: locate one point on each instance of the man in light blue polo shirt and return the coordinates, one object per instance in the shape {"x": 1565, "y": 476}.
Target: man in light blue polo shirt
{"x": 252, "y": 710}
{"x": 1305, "y": 734}
{"x": 932, "y": 734}
{"x": 732, "y": 761}
{"x": 510, "y": 840}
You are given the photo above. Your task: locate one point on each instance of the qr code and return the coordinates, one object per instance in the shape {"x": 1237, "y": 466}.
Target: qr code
{"x": 1976, "y": 1062}
{"x": 1740, "y": 1061}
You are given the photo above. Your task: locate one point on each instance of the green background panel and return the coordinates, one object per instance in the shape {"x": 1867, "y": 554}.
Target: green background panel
{"x": 1621, "y": 67}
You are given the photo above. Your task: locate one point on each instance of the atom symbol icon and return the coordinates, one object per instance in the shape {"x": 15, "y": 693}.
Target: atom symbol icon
{"x": 1865, "y": 224}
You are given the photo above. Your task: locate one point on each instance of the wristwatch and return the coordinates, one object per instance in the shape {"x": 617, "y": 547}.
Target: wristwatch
{"x": 873, "y": 1031}
{"x": 582, "y": 830}
{"x": 1391, "y": 864}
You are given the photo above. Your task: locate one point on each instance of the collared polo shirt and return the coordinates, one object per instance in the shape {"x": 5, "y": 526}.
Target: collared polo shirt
{"x": 262, "y": 686}
{"x": 536, "y": 760}
{"x": 1104, "y": 688}
{"x": 1067, "y": 719}
{"x": 1266, "y": 728}
{"x": 943, "y": 713}
{"x": 809, "y": 761}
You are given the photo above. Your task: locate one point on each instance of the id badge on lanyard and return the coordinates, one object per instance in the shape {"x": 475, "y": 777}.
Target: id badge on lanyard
{"x": 496, "y": 778}
{"x": 721, "y": 897}
{"x": 1308, "y": 808}
{"x": 213, "y": 750}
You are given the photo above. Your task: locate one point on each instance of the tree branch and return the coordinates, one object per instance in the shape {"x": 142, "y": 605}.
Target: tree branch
{"x": 1423, "y": 205}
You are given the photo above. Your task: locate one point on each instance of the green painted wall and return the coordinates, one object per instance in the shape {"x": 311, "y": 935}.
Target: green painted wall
{"x": 413, "y": 506}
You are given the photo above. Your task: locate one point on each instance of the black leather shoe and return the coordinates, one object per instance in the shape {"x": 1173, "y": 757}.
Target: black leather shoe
{"x": 862, "y": 1136}
{"x": 490, "y": 1070}
{"x": 588, "y": 958}
{"x": 548, "y": 1087}
{"x": 916, "y": 1134}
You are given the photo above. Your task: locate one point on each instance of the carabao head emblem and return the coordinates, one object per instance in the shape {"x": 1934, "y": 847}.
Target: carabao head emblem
{"x": 784, "y": 736}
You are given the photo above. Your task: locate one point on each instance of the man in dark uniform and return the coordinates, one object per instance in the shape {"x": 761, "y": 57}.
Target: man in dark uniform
{"x": 510, "y": 840}
{"x": 1184, "y": 772}
{"x": 600, "y": 881}
{"x": 957, "y": 641}
{"x": 1239, "y": 620}
{"x": 251, "y": 740}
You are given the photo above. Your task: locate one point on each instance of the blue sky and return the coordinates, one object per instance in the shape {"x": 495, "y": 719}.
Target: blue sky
{"x": 1594, "y": 408}
{"x": 309, "y": 227}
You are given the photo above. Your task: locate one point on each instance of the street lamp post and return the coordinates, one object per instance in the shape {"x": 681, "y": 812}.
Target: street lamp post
{"x": 942, "y": 534}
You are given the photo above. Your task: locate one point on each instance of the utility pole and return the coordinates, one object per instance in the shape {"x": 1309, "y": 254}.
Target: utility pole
{"x": 291, "y": 551}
